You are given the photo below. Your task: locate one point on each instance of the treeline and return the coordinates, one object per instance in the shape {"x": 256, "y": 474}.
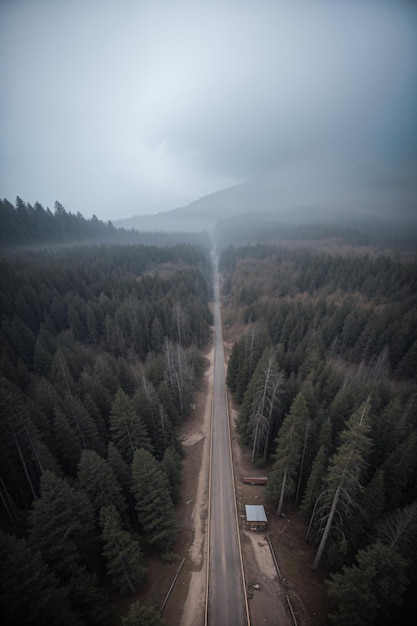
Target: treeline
{"x": 100, "y": 356}
{"x": 270, "y": 227}
{"x": 325, "y": 376}
{"x": 24, "y": 225}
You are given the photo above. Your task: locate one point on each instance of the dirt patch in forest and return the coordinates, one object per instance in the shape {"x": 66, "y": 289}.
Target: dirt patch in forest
{"x": 267, "y": 590}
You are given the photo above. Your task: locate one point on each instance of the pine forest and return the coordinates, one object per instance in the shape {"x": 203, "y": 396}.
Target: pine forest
{"x": 101, "y": 350}
{"x": 323, "y": 369}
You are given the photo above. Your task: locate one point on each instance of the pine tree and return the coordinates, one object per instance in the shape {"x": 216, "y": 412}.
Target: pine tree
{"x": 365, "y": 592}
{"x": 291, "y": 439}
{"x": 343, "y": 477}
{"x": 97, "y": 478}
{"x": 400, "y": 472}
{"x": 127, "y": 429}
{"x": 124, "y": 559}
{"x": 154, "y": 507}
{"x": 155, "y": 417}
{"x": 30, "y": 590}
{"x": 120, "y": 468}
{"x": 88, "y": 599}
{"x": 258, "y": 410}
{"x": 62, "y": 523}
{"x": 140, "y": 615}
{"x": 171, "y": 465}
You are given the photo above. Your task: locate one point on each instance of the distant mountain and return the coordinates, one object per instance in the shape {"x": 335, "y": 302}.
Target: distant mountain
{"x": 307, "y": 193}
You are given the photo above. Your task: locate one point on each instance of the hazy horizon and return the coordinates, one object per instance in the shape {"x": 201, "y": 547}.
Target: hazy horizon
{"x": 126, "y": 108}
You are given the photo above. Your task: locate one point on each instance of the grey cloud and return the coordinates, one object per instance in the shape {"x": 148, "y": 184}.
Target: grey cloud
{"x": 119, "y": 107}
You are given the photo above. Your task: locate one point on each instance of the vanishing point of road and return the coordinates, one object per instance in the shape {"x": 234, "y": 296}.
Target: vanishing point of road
{"x": 226, "y": 597}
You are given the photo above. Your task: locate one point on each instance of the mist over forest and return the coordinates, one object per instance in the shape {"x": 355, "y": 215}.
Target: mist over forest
{"x": 276, "y": 141}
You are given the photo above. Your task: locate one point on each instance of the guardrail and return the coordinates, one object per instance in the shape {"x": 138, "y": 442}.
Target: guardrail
{"x": 290, "y": 607}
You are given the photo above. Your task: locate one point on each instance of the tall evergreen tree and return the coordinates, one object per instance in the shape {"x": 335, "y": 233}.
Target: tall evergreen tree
{"x": 345, "y": 470}
{"x": 123, "y": 556}
{"x": 140, "y": 615}
{"x": 400, "y": 469}
{"x": 97, "y": 478}
{"x": 30, "y": 591}
{"x": 127, "y": 429}
{"x": 154, "y": 507}
{"x": 88, "y": 599}
{"x": 291, "y": 439}
{"x": 62, "y": 524}
{"x": 366, "y": 591}
{"x": 171, "y": 465}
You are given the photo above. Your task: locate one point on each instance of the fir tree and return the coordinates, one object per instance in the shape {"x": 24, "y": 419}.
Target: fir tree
{"x": 140, "y": 615}
{"x": 288, "y": 454}
{"x": 97, "y": 478}
{"x": 343, "y": 477}
{"x": 30, "y": 591}
{"x": 365, "y": 591}
{"x": 127, "y": 429}
{"x": 62, "y": 523}
{"x": 154, "y": 507}
{"x": 124, "y": 559}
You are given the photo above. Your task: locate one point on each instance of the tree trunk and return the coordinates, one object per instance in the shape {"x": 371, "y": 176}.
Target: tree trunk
{"x": 326, "y": 532}
{"x": 281, "y": 498}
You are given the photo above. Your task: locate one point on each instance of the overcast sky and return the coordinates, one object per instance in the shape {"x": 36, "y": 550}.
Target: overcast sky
{"x": 119, "y": 107}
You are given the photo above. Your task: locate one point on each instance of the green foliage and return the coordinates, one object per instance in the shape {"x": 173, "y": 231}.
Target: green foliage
{"x": 61, "y": 522}
{"x": 343, "y": 327}
{"x": 31, "y": 592}
{"x": 171, "y": 465}
{"x": 291, "y": 440}
{"x": 124, "y": 559}
{"x": 153, "y": 503}
{"x": 367, "y": 590}
{"x": 25, "y": 225}
{"x": 127, "y": 429}
{"x": 97, "y": 479}
{"x": 140, "y": 615}
{"x": 98, "y": 358}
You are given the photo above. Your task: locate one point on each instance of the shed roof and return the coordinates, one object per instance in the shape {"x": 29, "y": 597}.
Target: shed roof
{"x": 255, "y": 513}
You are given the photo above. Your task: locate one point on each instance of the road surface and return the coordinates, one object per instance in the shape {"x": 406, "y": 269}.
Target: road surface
{"x": 226, "y": 603}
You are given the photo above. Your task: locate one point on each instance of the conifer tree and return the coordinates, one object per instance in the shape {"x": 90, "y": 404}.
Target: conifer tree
{"x": 127, "y": 429}
{"x": 400, "y": 469}
{"x": 120, "y": 468}
{"x": 30, "y": 591}
{"x": 140, "y": 615}
{"x": 97, "y": 478}
{"x": 343, "y": 476}
{"x": 288, "y": 454}
{"x": 154, "y": 415}
{"x": 259, "y": 406}
{"x": 171, "y": 465}
{"x": 62, "y": 523}
{"x": 124, "y": 558}
{"x": 88, "y": 599}
{"x": 365, "y": 591}
{"x": 154, "y": 507}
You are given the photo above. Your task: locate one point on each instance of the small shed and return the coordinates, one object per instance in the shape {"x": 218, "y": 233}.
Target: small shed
{"x": 255, "y": 517}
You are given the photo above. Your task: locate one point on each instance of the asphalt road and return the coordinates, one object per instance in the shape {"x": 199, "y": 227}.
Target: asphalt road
{"x": 226, "y": 605}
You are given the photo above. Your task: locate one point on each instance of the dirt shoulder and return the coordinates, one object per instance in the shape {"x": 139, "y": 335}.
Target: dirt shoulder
{"x": 268, "y": 592}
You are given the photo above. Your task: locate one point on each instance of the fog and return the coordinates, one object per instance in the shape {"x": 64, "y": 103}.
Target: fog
{"x": 120, "y": 108}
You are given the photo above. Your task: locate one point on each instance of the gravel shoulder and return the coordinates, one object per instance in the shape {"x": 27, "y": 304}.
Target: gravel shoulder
{"x": 267, "y": 591}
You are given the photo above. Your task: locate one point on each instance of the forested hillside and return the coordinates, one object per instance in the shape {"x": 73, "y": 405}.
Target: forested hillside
{"x": 324, "y": 371}
{"x": 24, "y": 225}
{"x": 100, "y": 355}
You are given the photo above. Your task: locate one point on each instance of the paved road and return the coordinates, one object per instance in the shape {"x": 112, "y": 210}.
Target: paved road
{"x": 226, "y": 598}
